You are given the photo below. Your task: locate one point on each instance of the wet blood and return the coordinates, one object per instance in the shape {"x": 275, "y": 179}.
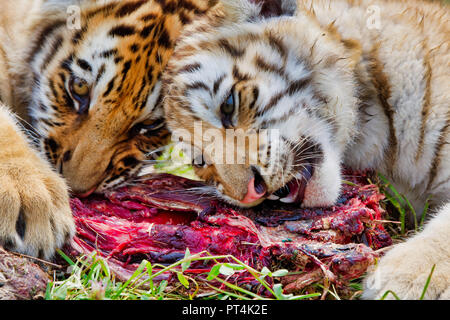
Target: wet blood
{"x": 160, "y": 216}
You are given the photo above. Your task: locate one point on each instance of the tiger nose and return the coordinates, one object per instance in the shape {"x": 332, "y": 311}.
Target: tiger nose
{"x": 256, "y": 188}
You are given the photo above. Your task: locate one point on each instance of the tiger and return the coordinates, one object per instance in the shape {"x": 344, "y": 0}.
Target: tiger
{"x": 359, "y": 84}
{"x": 80, "y": 112}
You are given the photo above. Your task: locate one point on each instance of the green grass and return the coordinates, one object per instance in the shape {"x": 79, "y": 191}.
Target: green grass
{"x": 91, "y": 279}
{"x": 399, "y": 207}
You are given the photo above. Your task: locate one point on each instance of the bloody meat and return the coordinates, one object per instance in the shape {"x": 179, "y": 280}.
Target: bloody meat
{"x": 159, "y": 216}
{"x": 20, "y": 279}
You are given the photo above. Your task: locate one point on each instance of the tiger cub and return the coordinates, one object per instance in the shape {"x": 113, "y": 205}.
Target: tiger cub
{"x": 89, "y": 75}
{"x": 357, "y": 83}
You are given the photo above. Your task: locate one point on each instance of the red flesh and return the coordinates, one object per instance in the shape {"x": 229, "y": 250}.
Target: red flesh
{"x": 158, "y": 219}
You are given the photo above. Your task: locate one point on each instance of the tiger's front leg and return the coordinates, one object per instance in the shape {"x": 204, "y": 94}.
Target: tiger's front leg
{"x": 35, "y": 216}
{"x": 405, "y": 268}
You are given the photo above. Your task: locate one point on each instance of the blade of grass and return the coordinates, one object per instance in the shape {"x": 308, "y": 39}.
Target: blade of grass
{"x": 413, "y": 211}
{"x": 425, "y": 211}
{"x": 427, "y": 283}
{"x": 65, "y": 257}
{"x": 138, "y": 272}
{"x": 389, "y": 292}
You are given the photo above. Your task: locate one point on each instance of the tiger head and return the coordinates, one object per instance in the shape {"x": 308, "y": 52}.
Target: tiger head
{"x": 96, "y": 84}
{"x": 231, "y": 80}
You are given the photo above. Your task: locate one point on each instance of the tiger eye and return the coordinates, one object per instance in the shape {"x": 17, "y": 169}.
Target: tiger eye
{"x": 80, "y": 87}
{"x": 228, "y": 106}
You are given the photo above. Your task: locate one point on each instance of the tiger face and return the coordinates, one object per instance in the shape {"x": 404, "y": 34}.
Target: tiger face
{"x": 96, "y": 97}
{"x": 281, "y": 75}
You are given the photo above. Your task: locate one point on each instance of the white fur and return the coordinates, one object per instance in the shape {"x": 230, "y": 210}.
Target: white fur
{"x": 412, "y": 38}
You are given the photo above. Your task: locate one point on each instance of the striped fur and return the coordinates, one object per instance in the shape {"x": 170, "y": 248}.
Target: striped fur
{"x": 96, "y": 141}
{"x": 364, "y": 97}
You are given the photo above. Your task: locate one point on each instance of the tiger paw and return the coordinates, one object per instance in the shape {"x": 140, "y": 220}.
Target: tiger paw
{"x": 403, "y": 272}
{"x": 35, "y": 216}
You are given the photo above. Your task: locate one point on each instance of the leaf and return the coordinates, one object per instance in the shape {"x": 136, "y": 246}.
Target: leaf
{"x": 280, "y": 273}
{"x": 184, "y": 281}
{"x": 234, "y": 266}
{"x": 225, "y": 270}
{"x": 266, "y": 272}
{"x": 162, "y": 287}
{"x": 185, "y": 265}
{"x": 214, "y": 272}
{"x": 278, "y": 292}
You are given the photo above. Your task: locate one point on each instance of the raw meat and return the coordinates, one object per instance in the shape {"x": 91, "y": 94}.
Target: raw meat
{"x": 20, "y": 279}
{"x": 160, "y": 216}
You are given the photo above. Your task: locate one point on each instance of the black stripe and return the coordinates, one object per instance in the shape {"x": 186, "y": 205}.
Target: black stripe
{"x": 149, "y": 17}
{"x": 100, "y": 73}
{"x": 268, "y": 67}
{"x": 55, "y": 46}
{"x": 118, "y": 59}
{"x": 168, "y": 7}
{"x": 277, "y": 44}
{"x": 150, "y": 73}
{"x": 255, "y": 98}
{"x": 240, "y": 76}
{"x": 51, "y": 84}
{"x": 273, "y": 101}
{"x": 62, "y": 76}
{"x": 190, "y": 68}
{"x": 66, "y": 64}
{"x": 284, "y": 118}
{"x": 43, "y": 35}
{"x": 125, "y": 70}
{"x": 442, "y": 183}
{"x": 109, "y": 53}
{"x": 298, "y": 85}
{"x": 437, "y": 152}
{"x": 197, "y": 86}
{"x": 84, "y": 65}
{"x": 129, "y": 8}
{"x": 233, "y": 51}
{"x": 145, "y": 32}
{"x": 122, "y": 31}
{"x": 190, "y": 6}
{"x": 105, "y": 10}
{"x": 109, "y": 87}
{"x": 164, "y": 39}
{"x": 184, "y": 18}
{"x": 68, "y": 100}
{"x": 217, "y": 83}
{"x": 137, "y": 97}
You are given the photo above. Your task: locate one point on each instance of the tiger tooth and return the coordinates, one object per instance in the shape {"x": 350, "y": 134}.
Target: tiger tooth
{"x": 287, "y": 200}
{"x": 273, "y": 197}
